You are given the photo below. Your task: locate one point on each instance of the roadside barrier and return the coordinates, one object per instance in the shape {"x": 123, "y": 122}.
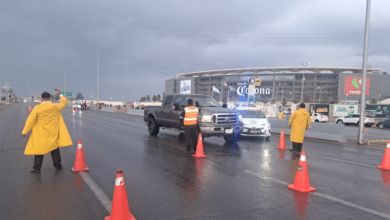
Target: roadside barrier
{"x": 301, "y": 182}
{"x": 79, "y": 163}
{"x": 199, "y": 148}
{"x": 282, "y": 142}
{"x": 120, "y": 209}
{"x": 317, "y": 130}
{"x": 386, "y": 159}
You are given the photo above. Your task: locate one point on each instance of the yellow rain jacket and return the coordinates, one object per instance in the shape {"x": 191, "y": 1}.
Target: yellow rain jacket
{"x": 48, "y": 128}
{"x": 299, "y": 122}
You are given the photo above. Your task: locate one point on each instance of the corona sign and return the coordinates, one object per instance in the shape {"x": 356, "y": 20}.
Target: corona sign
{"x": 353, "y": 86}
{"x": 185, "y": 87}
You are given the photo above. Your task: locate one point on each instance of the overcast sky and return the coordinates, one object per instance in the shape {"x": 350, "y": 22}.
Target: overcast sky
{"x": 146, "y": 42}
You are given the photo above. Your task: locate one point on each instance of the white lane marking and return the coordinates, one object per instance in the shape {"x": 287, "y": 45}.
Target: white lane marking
{"x": 102, "y": 197}
{"x": 106, "y": 126}
{"x": 350, "y": 204}
{"x": 345, "y": 161}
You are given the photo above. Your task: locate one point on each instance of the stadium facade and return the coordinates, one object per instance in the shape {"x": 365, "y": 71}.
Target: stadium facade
{"x": 281, "y": 83}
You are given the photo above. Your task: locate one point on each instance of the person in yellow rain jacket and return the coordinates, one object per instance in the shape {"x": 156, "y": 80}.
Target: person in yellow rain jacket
{"x": 299, "y": 122}
{"x": 190, "y": 123}
{"x": 49, "y": 131}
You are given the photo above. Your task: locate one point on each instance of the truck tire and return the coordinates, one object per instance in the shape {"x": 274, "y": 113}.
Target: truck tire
{"x": 153, "y": 128}
{"x": 381, "y": 126}
{"x": 228, "y": 138}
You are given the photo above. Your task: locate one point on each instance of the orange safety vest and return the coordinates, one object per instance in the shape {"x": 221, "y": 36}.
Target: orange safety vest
{"x": 191, "y": 115}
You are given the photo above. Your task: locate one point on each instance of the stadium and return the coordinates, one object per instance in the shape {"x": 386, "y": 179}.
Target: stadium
{"x": 320, "y": 84}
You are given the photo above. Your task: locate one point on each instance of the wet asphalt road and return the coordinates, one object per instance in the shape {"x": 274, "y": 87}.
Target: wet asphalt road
{"x": 247, "y": 181}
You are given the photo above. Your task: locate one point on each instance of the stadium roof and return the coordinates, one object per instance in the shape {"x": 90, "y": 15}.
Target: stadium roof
{"x": 279, "y": 70}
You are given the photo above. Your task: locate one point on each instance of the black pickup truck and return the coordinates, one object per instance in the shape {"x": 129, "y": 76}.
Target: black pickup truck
{"x": 213, "y": 120}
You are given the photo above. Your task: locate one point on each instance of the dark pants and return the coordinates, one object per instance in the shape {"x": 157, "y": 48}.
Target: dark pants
{"x": 55, "y": 155}
{"x": 191, "y": 135}
{"x": 297, "y": 146}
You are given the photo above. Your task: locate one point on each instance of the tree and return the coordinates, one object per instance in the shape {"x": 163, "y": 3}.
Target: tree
{"x": 154, "y": 98}
{"x": 158, "y": 97}
{"x": 284, "y": 102}
{"x": 295, "y": 101}
{"x": 306, "y": 98}
{"x": 326, "y": 100}
{"x": 148, "y": 98}
{"x": 79, "y": 96}
{"x": 334, "y": 100}
{"x": 143, "y": 99}
{"x": 373, "y": 101}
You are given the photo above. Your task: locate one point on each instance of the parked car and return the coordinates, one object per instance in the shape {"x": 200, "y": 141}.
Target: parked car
{"x": 254, "y": 122}
{"x": 354, "y": 119}
{"x": 318, "y": 117}
{"x": 383, "y": 124}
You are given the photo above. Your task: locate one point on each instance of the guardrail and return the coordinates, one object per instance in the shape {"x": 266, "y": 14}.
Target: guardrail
{"x": 317, "y": 130}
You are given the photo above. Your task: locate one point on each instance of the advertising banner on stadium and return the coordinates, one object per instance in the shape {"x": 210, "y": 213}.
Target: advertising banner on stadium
{"x": 344, "y": 110}
{"x": 353, "y": 86}
{"x": 378, "y": 111}
{"x": 185, "y": 87}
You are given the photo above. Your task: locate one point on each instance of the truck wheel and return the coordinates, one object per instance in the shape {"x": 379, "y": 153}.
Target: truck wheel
{"x": 267, "y": 138}
{"x": 228, "y": 138}
{"x": 153, "y": 128}
{"x": 381, "y": 126}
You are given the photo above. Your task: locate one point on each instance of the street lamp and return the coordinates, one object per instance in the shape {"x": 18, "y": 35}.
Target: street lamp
{"x": 282, "y": 84}
{"x": 303, "y": 78}
{"x": 97, "y": 67}
{"x": 320, "y": 88}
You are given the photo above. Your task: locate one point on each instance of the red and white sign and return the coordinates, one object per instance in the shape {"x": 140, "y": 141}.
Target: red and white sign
{"x": 353, "y": 86}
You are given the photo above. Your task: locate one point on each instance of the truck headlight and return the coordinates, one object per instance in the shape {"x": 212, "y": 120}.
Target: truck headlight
{"x": 206, "y": 118}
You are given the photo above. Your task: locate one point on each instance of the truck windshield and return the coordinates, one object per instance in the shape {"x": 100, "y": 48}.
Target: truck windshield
{"x": 207, "y": 102}
{"x": 251, "y": 114}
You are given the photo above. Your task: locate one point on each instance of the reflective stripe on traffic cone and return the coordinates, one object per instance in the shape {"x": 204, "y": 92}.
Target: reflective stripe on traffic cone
{"x": 301, "y": 182}
{"x": 386, "y": 159}
{"x": 79, "y": 163}
{"x": 199, "y": 148}
{"x": 120, "y": 205}
{"x": 282, "y": 142}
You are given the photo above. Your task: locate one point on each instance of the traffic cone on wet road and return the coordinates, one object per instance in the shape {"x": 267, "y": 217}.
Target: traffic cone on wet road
{"x": 29, "y": 108}
{"x": 120, "y": 205}
{"x": 76, "y": 109}
{"x": 199, "y": 148}
{"x": 282, "y": 142}
{"x": 79, "y": 163}
{"x": 386, "y": 159}
{"x": 301, "y": 182}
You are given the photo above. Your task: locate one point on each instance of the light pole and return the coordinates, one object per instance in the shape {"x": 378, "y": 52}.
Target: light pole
{"x": 320, "y": 88}
{"x": 303, "y": 78}
{"x": 97, "y": 67}
{"x": 282, "y": 84}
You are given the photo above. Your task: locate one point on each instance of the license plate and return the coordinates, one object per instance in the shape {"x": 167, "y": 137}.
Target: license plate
{"x": 254, "y": 132}
{"x": 229, "y": 131}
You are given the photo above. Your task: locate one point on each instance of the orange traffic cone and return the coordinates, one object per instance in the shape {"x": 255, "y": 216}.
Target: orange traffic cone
{"x": 120, "y": 205}
{"x": 79, "y": 163}
{"x": 301, "y": 182}
{"x": 29, "y": 108}
{"x": 76, "y": 109}
{"x": 199, "y": 148}
{"x": 386, "y": 159}
{"x": 282, "y": 142}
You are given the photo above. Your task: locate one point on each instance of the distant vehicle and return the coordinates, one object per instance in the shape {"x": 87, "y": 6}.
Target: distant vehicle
{"x": 318, "y": 117}
{"x": 254, "y": 122}
{"x": 383, "y": 124}
{"x": 213, "y": 120}
{"x": 80, "y": 107}
{"x": 354, "y": 119}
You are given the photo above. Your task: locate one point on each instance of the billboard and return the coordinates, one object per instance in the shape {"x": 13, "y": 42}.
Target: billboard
{"x": 185, "y": 87}
{"x": 319, "y": 108}
{"x": 344, "y": 110}
{"x": 353, "y": 86}
{"x": 378, "y": 111}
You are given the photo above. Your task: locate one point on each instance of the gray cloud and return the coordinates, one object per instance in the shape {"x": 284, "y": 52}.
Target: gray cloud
{"x": 146, "y": 42}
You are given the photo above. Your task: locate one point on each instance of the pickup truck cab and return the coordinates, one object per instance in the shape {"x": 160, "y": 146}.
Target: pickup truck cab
{"x": 213, "y": 120}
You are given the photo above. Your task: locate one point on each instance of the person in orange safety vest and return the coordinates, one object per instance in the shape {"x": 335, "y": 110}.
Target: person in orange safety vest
{"x": 190, "y": 125}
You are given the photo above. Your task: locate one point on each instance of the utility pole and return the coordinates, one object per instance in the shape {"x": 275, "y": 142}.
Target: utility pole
{"x": 364, "y": 77}
{"x": 303, "y": 79}
{"x": 97, "y": 67}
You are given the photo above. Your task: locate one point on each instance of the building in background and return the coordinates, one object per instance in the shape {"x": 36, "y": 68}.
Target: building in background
{"x": 325, "y": 83}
